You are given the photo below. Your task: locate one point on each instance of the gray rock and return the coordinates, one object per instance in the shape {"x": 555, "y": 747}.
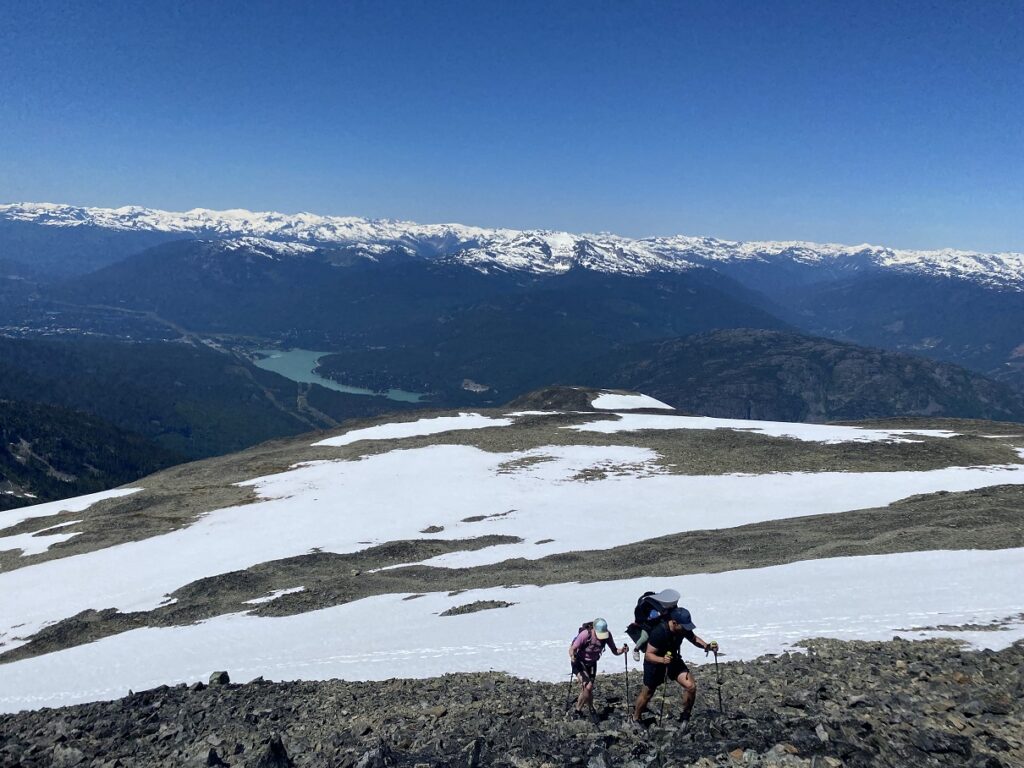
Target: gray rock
{"x": 372, "y": 758}
{"x": 493, "y": 719}
{"x": 274, "y": 755}
{"x": 934, "y": 741}
{"x": 599, "y": 758}
{"x": 67, "y": 757}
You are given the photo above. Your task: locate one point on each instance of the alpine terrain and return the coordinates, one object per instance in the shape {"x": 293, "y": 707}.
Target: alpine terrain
{"x": 404, "y": 590}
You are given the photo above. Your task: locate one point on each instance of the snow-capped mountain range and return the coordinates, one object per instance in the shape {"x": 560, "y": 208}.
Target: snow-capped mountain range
{"x": 535, "y": 251}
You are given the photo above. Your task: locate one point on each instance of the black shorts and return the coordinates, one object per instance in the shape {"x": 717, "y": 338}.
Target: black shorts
{"x": 655, "y": 674}
{"x": 586, "y": 671}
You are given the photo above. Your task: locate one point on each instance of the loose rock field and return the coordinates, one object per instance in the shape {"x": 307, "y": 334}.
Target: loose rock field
{"x": 896, "y": 703}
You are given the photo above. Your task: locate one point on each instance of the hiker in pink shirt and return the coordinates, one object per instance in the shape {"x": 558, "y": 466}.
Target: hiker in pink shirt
{"x": 584, "y": 652}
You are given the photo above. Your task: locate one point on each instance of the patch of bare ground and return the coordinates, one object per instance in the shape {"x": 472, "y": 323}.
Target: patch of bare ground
{"x": 999, "y": 625}
{"x": 479, "y": 605}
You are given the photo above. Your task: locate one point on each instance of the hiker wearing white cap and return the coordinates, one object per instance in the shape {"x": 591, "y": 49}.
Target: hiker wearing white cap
{"x": 662, "y": 661}
{"x": 584, "y": 652}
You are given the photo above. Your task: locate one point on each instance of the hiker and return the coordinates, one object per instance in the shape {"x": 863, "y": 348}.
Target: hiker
{"x": 584, "y": 652}
{"x": 662, "y": 661}
{"x": 651, "y": 609}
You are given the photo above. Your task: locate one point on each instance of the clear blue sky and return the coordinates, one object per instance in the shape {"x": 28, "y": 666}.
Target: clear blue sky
{"x": 900, "y": 123}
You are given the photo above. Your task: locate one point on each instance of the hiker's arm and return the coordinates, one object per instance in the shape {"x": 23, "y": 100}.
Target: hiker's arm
{"x": 651, "y": 657}
{"x": 615, "y": 649}
{"x": 575, "y": 647}
{"x": 701, "y": 643}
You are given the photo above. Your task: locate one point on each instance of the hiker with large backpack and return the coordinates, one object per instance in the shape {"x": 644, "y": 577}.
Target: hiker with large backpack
{"x": 590, "y": 642}
{"x": 663, "y": 662}
{"x": 651, "y": 609}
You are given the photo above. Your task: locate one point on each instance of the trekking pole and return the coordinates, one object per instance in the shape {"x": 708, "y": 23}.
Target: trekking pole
{"x": 718, "y": 678}
{"x": 664, "y": 685}
{"x": 625, "y": 663}
{"x": 568, "y": 690}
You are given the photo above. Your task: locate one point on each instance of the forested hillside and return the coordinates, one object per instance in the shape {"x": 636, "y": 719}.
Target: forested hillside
{"x": 48, "y": 452}
{"x": 192, "y": 400}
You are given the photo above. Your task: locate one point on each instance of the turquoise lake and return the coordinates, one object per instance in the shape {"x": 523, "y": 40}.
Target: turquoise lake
{"x": 299, "y": 365}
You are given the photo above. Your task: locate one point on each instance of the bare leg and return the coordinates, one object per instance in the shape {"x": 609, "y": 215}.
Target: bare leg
{"x": 586, "y": 695}
{"x": 689, "y": 686}
{"x": 642, "y": 701}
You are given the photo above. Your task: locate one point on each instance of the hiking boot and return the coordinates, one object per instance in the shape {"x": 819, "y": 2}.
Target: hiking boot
{"x": 636, "y": 655}
{"x": 684, "y": 722}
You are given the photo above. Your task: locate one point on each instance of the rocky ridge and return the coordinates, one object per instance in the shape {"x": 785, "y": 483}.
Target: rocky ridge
{"x": 896, "y": 703}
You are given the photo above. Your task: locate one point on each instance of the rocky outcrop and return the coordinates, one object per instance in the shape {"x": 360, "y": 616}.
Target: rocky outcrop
{"x": 840, "y": 704}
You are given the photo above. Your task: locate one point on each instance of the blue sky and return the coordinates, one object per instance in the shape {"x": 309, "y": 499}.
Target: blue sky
{"x": 900, "y": 123}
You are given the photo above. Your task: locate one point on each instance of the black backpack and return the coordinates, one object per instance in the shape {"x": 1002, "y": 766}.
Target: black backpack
{"x": 643, "y": 609}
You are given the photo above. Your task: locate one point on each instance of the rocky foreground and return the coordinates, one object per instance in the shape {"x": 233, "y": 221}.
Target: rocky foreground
{"x": 896, "y": 703}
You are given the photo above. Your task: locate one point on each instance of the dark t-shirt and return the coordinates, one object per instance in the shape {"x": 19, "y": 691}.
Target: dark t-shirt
{"x": 663, "y": 639}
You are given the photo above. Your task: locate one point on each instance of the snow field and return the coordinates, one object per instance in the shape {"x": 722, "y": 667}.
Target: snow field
{"x": 749, "y": 612}
{"x": 338, "y": 506}
{"x": 418, "y": 428}
{"x": 818, "y": 433}
{"x": 619, "y": 402}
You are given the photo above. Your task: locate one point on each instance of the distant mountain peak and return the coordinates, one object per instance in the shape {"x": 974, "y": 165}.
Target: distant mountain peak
{"x": 536, "y": 251}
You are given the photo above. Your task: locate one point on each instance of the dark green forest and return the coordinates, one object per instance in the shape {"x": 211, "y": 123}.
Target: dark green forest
{"x": 192, "y": 400}
{"x": 52, "y": 453}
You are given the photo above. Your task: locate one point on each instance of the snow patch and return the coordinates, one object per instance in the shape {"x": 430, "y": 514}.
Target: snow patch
{"x": 36, "y": 543}
{"x": 12, "y": 517}
{"x": 274, "y": 595}
{"x": 421, "y": 427}
{"x": 819, "y": 433}
{"x": 620, "y": 402}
